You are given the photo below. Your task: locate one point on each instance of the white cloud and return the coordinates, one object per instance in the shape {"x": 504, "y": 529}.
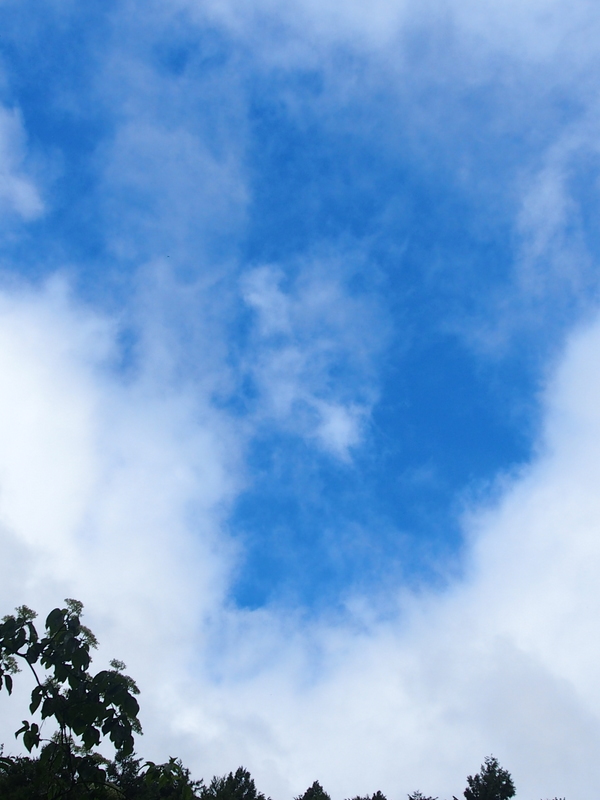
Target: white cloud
{"x": 328, "y": 21}
{"x": 177, "y": 194}
{"x": 536, "y": 32}
{"x": 554, "y": 257}
{"x": 18, "y": 193}
{"x": 453, "y": 75}
{"x": 116, "y": 491}
{"x": 117, "y": 494}
{"x": 109, "y": 486}
{"x": 312, "y": 353}
{"x": 171, "y": 179}
{"x": 505, "y": 661}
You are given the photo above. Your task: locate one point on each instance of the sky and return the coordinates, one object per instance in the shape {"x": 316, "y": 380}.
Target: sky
{"x": 300, "y": 378}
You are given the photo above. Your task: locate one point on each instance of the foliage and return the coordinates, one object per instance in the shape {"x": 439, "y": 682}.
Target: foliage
{"x": 84, "y": 707}
{"x": 235, "y": 786}
{"x": 21, "y": 778}
{"x": 170, "y": 781}
{"x": 314, "y": 792}
{"x": 24, "y": 778}
{"x": 492, "y": 782}
{"x": 376, "y": 796}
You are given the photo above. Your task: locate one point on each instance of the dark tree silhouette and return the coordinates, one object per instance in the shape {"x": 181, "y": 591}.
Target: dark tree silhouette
{"x": 376, "y": 796}
{"x": 492, "y": 782}
{"x": 314, "y": 792}
{"x": 235, "y": 786}
{"x": 83, "y": 708}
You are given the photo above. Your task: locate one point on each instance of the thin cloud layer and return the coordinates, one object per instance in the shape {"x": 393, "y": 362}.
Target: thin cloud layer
{"x": 514, "y": 84}
{"x": 312, "y": 354}
{"x": 18, "y": 193}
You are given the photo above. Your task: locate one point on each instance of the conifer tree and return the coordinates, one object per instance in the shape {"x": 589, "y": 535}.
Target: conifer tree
{"x": 492, "y": 782}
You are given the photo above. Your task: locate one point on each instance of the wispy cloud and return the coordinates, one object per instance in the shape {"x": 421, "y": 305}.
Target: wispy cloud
{"x": 18, "y": 192}
{"x": 312, "y": 354}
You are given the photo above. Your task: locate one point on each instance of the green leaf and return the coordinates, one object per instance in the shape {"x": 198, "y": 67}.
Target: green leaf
{"x": 8, "y": 681}
{"x": 109, "y": 724}
{"x": 5, "y": 764}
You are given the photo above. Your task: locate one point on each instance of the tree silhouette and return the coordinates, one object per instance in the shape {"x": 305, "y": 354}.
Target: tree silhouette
{"x": 376, "y": 796}
{"x": 235, "y": 786}
{"x": 492, "y": 782}
{"x": 314, "y": 792}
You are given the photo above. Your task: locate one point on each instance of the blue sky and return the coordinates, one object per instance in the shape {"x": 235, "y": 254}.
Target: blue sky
{"x": 288, "y": 292}
{"x": 332, "y": 185}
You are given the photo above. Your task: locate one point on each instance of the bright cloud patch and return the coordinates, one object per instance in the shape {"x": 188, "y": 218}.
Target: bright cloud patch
{"x": 109, "y": 488}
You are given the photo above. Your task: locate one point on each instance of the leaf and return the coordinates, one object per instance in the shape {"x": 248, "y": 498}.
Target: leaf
{"x": 33, "y": 634}
{"x": 36, "y": 698}
{"x": 130, "y": 706}
{"x": 31, "y": 738}
{"x": 20, "y": 639}
{"x": 54, "y": 620}
{"x": 91, "y": 737}
{"x": 8, "y": 681}
{"x": 34, "y": 651}
{"x": 48, "y": 708}
{"x": 5, "y": 764}
{"x": 109, "y": 724}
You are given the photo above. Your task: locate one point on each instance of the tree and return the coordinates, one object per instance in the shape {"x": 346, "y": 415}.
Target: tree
{"x": 376, "y": 796}
{"x": 84, "y": 707}
{"x": 169, "y": 781}
{"x": 235, "y": 786}
{"x": 314, "y": 792}
{"x": 21, "y": 778}
{"x": 420, "y": 796}
{"x": 492, "y": 782}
